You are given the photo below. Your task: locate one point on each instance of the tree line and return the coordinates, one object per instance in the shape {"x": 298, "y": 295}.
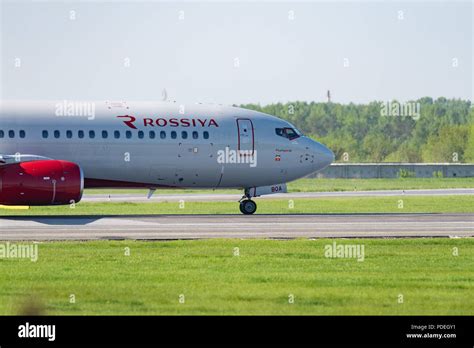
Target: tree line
{"x": 423, "y": 130}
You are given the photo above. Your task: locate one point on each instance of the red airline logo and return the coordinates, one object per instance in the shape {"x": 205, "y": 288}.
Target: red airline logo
{"x": 172, "y": 122}
{"x": 130, "y": 121}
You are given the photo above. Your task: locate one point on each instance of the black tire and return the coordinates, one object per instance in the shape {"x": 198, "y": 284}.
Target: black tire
{"x": 241, "y": 209}
{"x": 248, "y": 207}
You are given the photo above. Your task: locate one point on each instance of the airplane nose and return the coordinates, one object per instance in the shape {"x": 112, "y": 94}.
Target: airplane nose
{"x": 324, "y": 156}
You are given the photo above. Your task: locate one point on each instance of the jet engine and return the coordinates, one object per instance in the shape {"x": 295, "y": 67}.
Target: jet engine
{"x": 44, "y": 182}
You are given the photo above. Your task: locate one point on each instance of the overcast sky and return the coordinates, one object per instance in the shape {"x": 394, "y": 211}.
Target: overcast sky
{"x": 237, "y": 52}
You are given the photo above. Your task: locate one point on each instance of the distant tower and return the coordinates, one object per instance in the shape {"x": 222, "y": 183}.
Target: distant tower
{"x": 329, "y": 96}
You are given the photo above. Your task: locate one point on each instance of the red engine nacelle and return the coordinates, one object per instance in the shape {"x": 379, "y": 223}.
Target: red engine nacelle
{"x": 49, "y": 182}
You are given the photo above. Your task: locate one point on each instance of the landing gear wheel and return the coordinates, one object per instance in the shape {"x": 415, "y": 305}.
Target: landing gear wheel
{"x": 248, "y": 207}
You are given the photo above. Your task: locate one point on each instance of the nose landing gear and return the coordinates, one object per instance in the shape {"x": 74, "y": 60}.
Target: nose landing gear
{"x": 247, "y": 206}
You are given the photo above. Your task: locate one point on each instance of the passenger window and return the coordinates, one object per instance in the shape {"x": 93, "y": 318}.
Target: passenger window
{"x": 80, "y": 134}
{"x": 141, "y": 134}
{"x": 117, "y": 135}
{"x": 45, "y": 134}
{"x": 184, "y": 135}
{"x": 2, "y": 134}
{"x": 173, "y": 135}
{"x": 69, "y": 134}
{"x": 163, "y": 135}
{"x": 91, "y": 134}
{"x": 205, "y": 135}
{"x": 57, "y": 134}
{"x": 195, "y": 135}
{"x": 128, "y": 134}
{"x": 105, "y": 134}
{"x": 22, "y": 134}
{"x": 152, "y": 134}
{"x": 11, "y": 134}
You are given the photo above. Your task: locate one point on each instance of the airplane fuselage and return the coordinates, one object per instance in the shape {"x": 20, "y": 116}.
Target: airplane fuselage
{"x": 162, "y": 144}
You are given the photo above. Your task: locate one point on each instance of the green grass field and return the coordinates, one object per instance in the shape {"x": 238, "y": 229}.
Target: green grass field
{"x": 396, "y": 277}
{"x": 327, "y": 185}
{"x": 228, "y": 277}
{"x": 395, "y": 204}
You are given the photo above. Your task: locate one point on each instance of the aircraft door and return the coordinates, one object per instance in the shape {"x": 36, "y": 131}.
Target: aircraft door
{"x": 246, "y": 135}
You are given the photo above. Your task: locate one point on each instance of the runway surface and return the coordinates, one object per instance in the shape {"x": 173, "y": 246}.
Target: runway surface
{"x": 165, "y": 227}
{"x": 157, "y": 197}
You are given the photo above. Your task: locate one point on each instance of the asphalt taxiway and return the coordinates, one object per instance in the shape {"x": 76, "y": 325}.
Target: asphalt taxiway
{"x": 169, "y": 227}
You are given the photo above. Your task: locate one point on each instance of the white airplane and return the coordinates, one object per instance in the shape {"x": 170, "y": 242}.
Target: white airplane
{"x": 51, "y": 151}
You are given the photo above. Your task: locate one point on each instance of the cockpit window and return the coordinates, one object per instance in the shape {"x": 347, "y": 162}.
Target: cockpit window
{"x": 289, "y": 133}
